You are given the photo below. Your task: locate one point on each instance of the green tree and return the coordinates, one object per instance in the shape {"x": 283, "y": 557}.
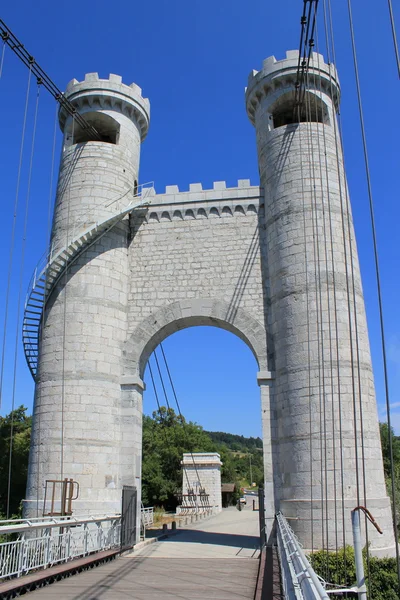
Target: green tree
{"x": 339, "y": 569}
{"x": 20, "y": 456}
{"x": 384, "y": 430}
{"x": 166, "y": 436}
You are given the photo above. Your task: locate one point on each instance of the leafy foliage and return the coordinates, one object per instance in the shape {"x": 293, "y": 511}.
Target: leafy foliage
{"x": 236, "y": 442}
{"x": 20, "y": 456}
{"x": 246, "y": 455}
{"x": 384, "y": 430}
{"x": 339, "y": 569}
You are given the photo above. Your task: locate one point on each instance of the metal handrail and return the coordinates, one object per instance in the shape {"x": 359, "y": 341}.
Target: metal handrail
{"x": 31, "y": 544}
{"x": 304, "y": 583}
{"x": 147, "y": 514}
{"x": 143, "y": 191}
{"x": 39, "y": 545}
{"x": 53, "y": 263}
{"x": 31, "y": 525}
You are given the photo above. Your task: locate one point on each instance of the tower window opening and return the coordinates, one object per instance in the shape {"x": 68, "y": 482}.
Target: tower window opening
{"x": 106, "y": 127}
{"x": 312, "y": 110}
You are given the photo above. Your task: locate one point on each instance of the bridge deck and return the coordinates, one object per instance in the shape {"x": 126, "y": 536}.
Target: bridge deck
{"x": 215, "y": 559}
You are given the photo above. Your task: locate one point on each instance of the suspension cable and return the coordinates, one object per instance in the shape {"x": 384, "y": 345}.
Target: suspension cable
{"x": 162, "y": 380}
{"x": 393, "y": 27}
{"x": 66, "y": 271}
{"x": 190, "y": 445}
{"x": 305, "y": 49}
{"x": 12, "y": 243}
{"x": 48, "y": 243}
{"x": 2, "y": 58}
{"x": 348, "y": 227}
{"x": 336, "y": 328}
{"x": 328, "y": 16}
{"x": 325, "y": 198}
{"x": 163, "y": 420}
{"x": 19, "y": 49}
{"x": 378, "y": 279}
{"x": 21, "y": 278}
{"x": 310, "y": 412}
{"x": 319, "y": 320}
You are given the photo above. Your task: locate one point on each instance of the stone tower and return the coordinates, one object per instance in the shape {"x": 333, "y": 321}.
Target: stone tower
{"x": 310, "y": 262}
{"x": 77, "y": 430}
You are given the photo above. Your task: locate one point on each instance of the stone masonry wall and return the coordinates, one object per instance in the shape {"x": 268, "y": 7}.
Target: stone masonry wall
{"x": 203, "y": 469}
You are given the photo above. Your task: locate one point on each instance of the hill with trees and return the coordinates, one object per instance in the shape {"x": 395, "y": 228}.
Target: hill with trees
{"x": 237, "y": 443}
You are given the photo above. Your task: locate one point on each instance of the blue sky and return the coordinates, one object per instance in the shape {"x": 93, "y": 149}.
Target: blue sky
{"x": 192, "y": 60}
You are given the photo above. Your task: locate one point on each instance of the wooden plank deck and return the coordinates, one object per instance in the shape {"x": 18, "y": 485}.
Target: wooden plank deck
{"x": 148, "y": 578}
{"x": 213, "y": 560}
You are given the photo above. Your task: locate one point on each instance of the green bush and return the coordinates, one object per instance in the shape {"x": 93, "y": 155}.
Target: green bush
{"x": 339, "y": 568}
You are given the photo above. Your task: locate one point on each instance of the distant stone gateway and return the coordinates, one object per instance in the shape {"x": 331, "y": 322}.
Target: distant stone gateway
{"x": 275, "y": 264}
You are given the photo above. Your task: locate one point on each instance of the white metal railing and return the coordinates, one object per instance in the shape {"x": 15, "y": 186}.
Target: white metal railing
{"x": 27, "y": 544}
{"x": 299, "y": 579}
{"x": 148, "y": 516}
{"x": 38, "y": 544}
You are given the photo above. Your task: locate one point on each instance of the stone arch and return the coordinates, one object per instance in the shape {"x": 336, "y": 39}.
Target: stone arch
{"x": 226, "y": 211}
{"x": 239, "y": 210}
{"x": 189, "y": 313}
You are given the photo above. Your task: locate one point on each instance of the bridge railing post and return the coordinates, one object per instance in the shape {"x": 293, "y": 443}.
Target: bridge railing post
{"x": 261, "y": 516}
{"x": 85, "y": 539}
{"x": 22, "y": 556}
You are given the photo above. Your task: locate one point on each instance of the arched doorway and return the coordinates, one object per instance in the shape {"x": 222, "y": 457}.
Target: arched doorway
{"x": 157, "y": 328}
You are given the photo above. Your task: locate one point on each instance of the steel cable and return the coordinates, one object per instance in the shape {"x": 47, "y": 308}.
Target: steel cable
{"x": 328, "y": 294}
{"x": 332, "y": 94}
{"x": 179, "y": 411}
{"x": 48, "y": 243}
{"x": 2, "y": 59}
{"x": 378, "y": 278}
{"x": 162, "y": 417}
{"x": 310, "y": 411}
{"x": 335, "y": 317}
{"x": 12, "y": 242}
{"x": 319, "y": 320}
{"x": 21, "y": 279}
{"x": 350, "y": 281}
{"x": 393, "y": 28}
{"x": 320, "y": 125}
{"x": 65, "y": 313}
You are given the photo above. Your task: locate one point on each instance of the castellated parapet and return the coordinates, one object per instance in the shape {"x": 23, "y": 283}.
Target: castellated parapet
{"x": 273, "y": 88}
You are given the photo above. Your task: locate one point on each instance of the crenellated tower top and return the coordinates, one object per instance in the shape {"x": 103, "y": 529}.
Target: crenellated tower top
{"x": 95, "y": 94}
{"x": 276, "y": 83}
